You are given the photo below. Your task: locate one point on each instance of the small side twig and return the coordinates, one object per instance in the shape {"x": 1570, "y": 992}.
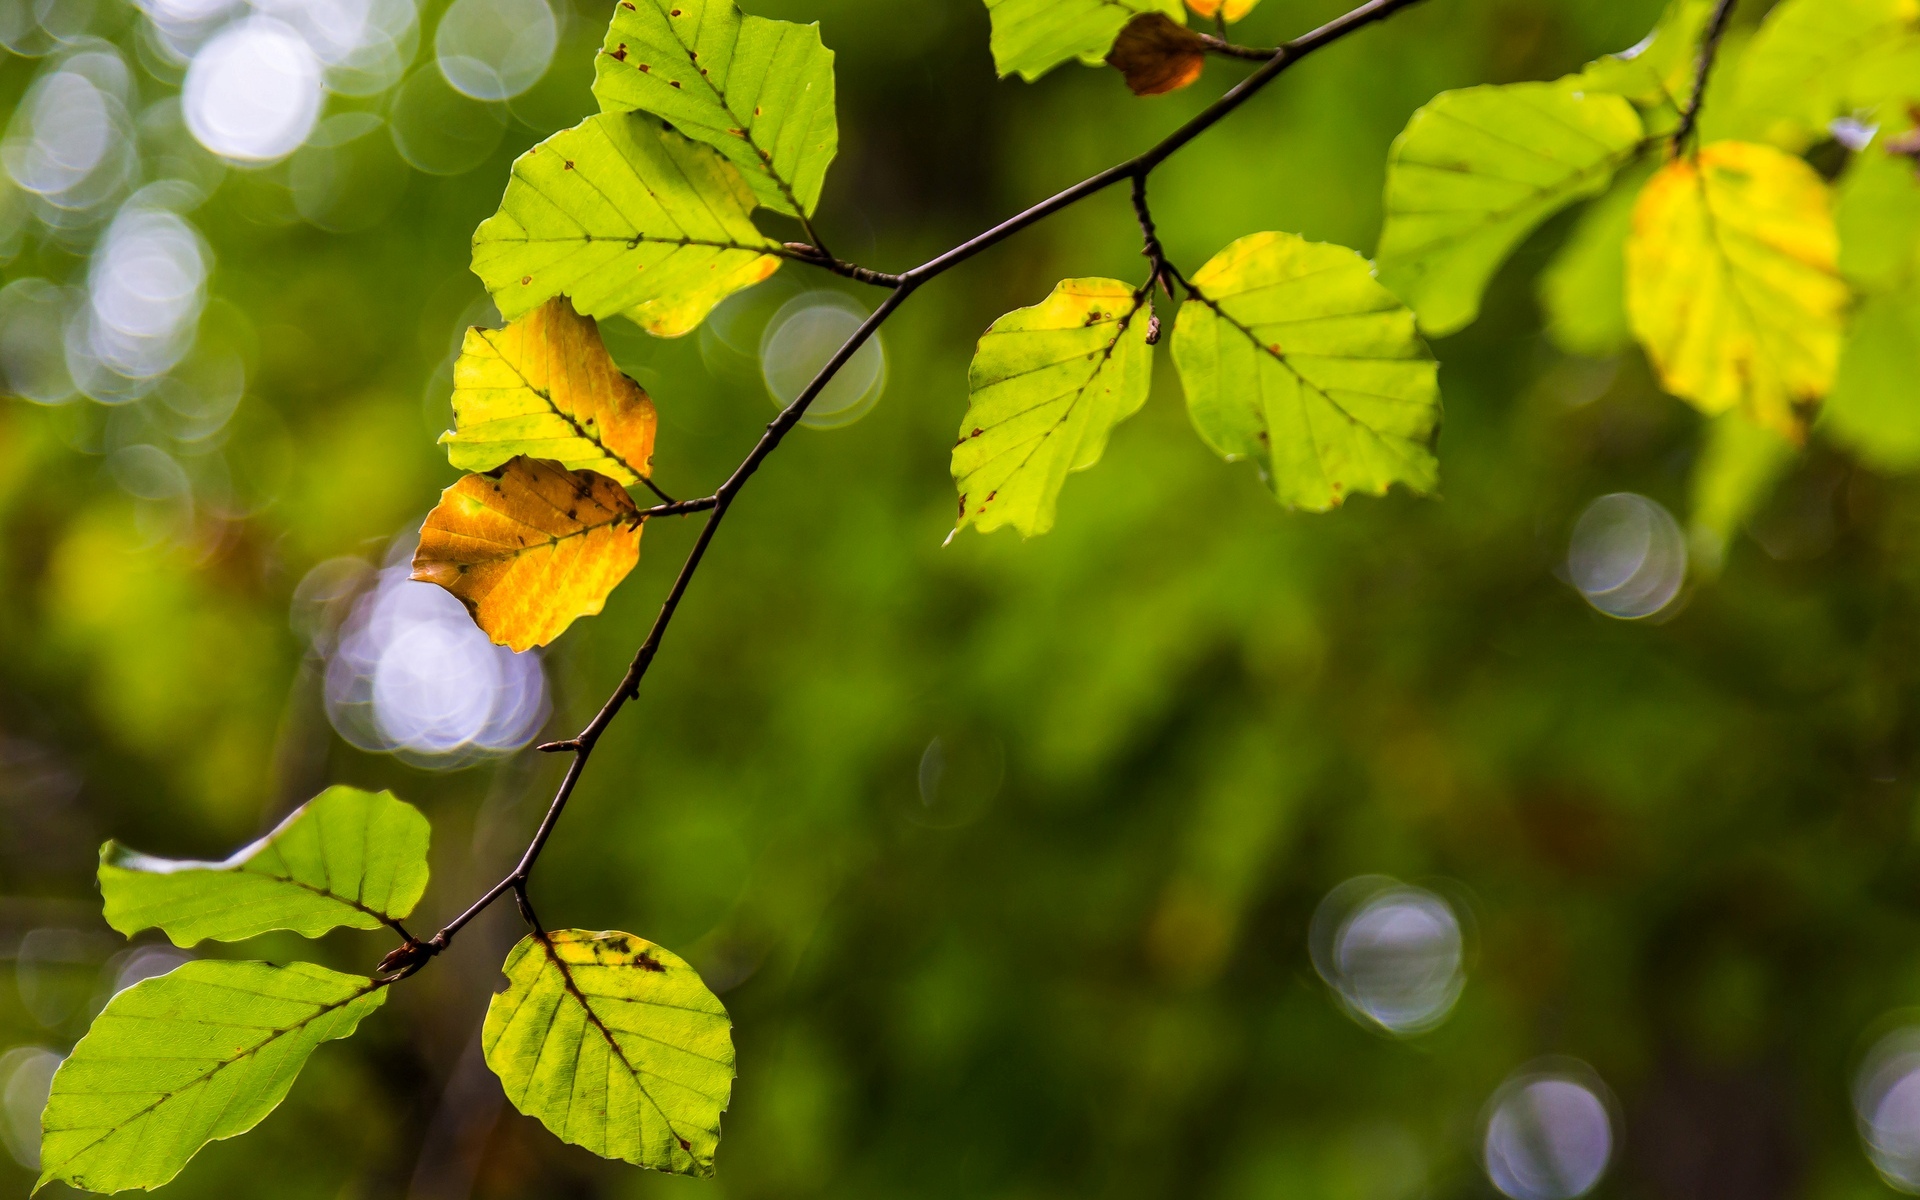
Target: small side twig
{"x": 1226, "y": 49}
{"x": 1709, "y": 50}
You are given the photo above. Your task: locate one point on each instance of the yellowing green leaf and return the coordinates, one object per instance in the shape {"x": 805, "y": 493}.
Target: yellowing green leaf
{"x": 1047, "y": 385}
{"x": 531, "y": 549}
{"x": 1794, "y": 77}
{"x": 1032, "y": 37}
{"x": 198, "y": 1054}
{"x": 1231, "y": 10}
{"x": 1475, "y": 171}
{"x": 1583, "y": 290}
{"x": 1298, "y": 359}
{"x": 1874, "y": 410}
{"x": 625, "y": 217}
{"x": 1736, "y": 472}
{"x": 546, "y": 387}
{"x": 346, "y": 858}
{"x": 1657, "y": 74}
{"x": 759, "y": 91}
{"x": 614, "y": 1044}
{"x": 1732, "y": 285}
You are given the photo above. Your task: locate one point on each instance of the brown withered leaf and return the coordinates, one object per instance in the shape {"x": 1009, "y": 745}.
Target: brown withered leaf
{"x": 1157, "y": 54}
{"x": 530, "y": 547}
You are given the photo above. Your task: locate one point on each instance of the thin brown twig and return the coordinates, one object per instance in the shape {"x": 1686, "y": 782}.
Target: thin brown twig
{"x": 1709, "y": 50}
{"x": 902, "y": 285}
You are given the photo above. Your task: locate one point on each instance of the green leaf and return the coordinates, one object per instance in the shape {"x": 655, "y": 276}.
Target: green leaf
{"x": 1877, "y": 214}
{"x": 1583, "y": 290}
{"x": 545, "y": 387}
{"x": 1795, "y": 75}
{"x": 1656, "y": 75}
{"x": 1475, "y": 171}
{"x": 625, "y": 217}
{"x": 1298, "y": 359}
{"x": 198, "y": 1054}
{"x": 759, "y": 91}
{"x": 615, "y": 1045}
{"x": 345, "y": 858}
{"x": 1737, "y": 470}
{"x": 1872, "y": 409}
{"x": 1047, "y": 385}
{"x": 1032, "y": 37}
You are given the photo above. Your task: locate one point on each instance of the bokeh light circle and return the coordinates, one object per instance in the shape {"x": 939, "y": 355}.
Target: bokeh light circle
{"x": 409, "y": 673}
{"x": 437, "y": 129}
{"x": 495, "y": 49}
{"x": 26, "y": 1079}
{"x": 1395, "y": 954}
{"x": 147, "y": 285}
{"x": 1886, "y": 1105}
{"x": 253, "y": 92}
{"x": 1549, "y": 1133}
{"x": 33, "y": 359}
{"x": 800, "y": 339}
{"x": 1627, "y": 556}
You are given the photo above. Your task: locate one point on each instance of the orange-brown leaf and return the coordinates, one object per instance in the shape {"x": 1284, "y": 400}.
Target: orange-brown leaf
{"x": 1157, "y": 54}
{"x": 1233, "y": 10}
{"x": 531, "y": 549}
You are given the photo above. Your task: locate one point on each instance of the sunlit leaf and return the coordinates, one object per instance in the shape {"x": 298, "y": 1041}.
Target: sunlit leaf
{"x": 625, "y": 217}
{"x": 1583, "y": 290}
{"x": 1475, "y": 171}
{"x": 1657, "y": 74}
{"x": 1032, "y": 37}
{"x": 1157, "y": 55}
{"x": 1794, "y": 77}
{"x": 546, "y": 387}
{"x": 1874, "y": 409}
{"x": 172, "y": 1063}
{"x": 1232, "y": 10}
{"x": 1047, "y": 386}
{"x": 1732, "y": 285}
{"x": 1739, "y": 465}
{"x": 529, "y": 548}
{"x": 1300, "y": 360}
{"x": 759, "y": 91}
{"x": 345, "y": 858}
{"x": 615, "y": 1045}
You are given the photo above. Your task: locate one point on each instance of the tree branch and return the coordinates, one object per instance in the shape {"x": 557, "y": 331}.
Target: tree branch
{"x": 1709, "y": 50}
{"x": 1135, "y": 169}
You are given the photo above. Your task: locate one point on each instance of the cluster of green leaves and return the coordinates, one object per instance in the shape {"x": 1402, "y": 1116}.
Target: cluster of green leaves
{"x": 612, "y": 1042}
{"x": 1735, "y": 265}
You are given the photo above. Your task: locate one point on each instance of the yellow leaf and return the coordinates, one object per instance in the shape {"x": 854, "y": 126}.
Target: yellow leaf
{"x": 546, "y": 387}
{"x": 1232, "y": 10}
{"x": 1156, "y": 55}
{"x": 1732, "y": 283}
{"x": 529, "y": 551}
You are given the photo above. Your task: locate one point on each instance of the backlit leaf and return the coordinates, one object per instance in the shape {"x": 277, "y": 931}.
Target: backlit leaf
{"x": 1232, "y": 10}
{"x": 1738, "y": 467}
{"x": 1877, "y": 213}
{"x": 345, "y": 858}
{"x": 546, "y": 387}
{"x": 198, "y": 1054}
{"x": 614, "y": 1044}
{"x": 1300, "y": 360}
{"x": 1656, "y": 75}
{"x": 1475, "y": 171}
{"x": 531, "y": 549}
{"x": 1732, "y": 285}
{"x": 1794, "y": 76}
{"x": 1583, "y": 290}
{"x": 1874, "y": 409}
{"x": 1157, "y": 55}
{"x": 1032, "y": 37}
{"x": 1047, "y": 385}
{"x": 624, "y": 217}
{"x": 759, "y": 91}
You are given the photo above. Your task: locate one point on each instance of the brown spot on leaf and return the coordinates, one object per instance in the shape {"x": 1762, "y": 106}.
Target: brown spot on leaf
{"x": 620, "y": 55}
{"x": 568, "y": 163}
{"x": 977, "y": 431}
{"x": 674, "y": 82}
{"x": 525, "y": 280}
{"x": 647, "y": 962}
{"x": 1157, "y": 54}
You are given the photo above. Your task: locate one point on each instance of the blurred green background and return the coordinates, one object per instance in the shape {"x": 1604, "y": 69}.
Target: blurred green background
{"x": 1004, "y": 855}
